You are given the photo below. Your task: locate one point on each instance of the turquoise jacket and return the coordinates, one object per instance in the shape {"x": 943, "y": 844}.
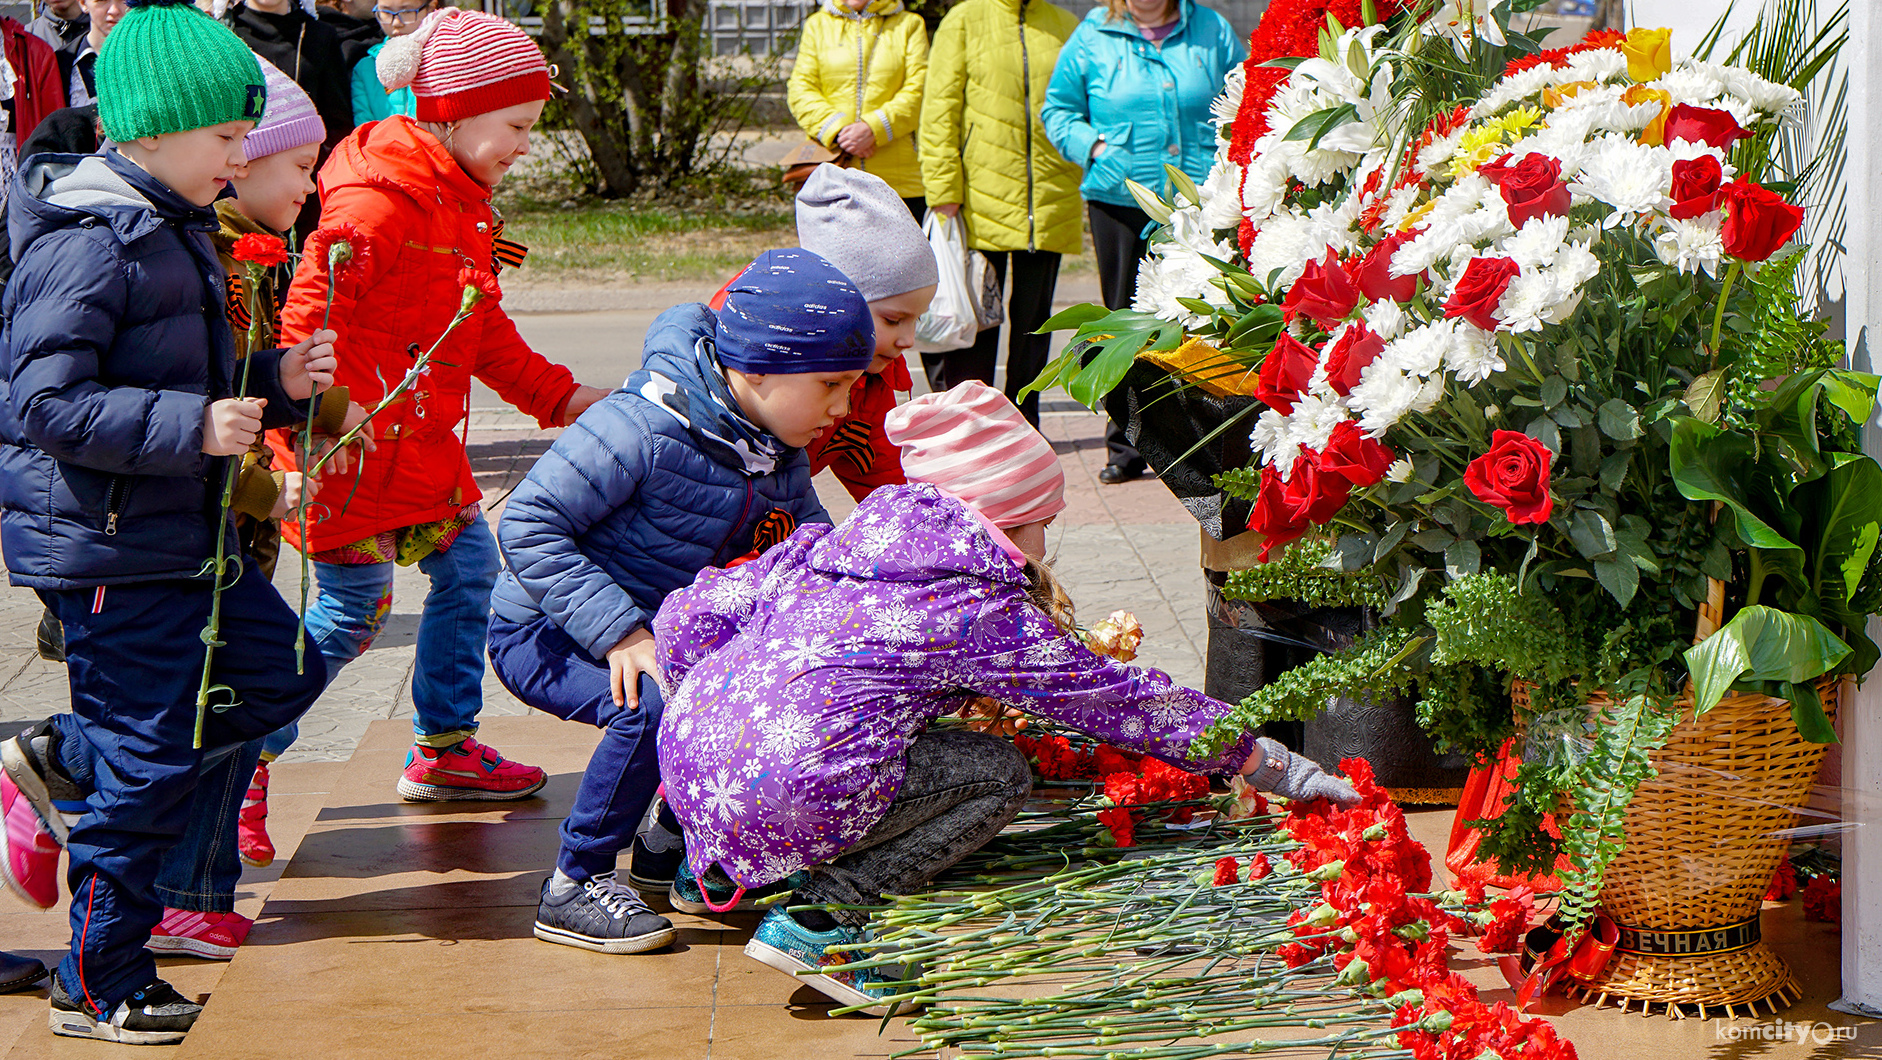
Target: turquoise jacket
{"x": 1150, "y": 104}
{"x": 371, "y": 101}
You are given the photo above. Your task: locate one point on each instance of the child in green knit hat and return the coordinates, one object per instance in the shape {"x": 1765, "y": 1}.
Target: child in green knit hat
{"x": 124, "y": 403}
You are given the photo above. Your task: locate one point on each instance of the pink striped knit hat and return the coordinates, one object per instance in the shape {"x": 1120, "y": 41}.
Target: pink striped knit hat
{"x": 288, "y": 121}
{"x": 464, "y": 63}
{"x": 973, "y": 443}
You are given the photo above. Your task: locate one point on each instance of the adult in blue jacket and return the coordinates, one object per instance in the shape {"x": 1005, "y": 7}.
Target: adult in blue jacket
{"x": 1131, "y": 94}
{"x": 665, "y": 477}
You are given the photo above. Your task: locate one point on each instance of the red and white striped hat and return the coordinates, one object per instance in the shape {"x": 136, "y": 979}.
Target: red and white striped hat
{"x": 464, "y": 63}
{"x": 973, "y": 443}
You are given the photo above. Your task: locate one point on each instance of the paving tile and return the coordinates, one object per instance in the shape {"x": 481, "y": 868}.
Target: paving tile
{"x": 418, "y": 864}
{"x": 803, "y": 1027}
{"x": 569, "y": 1034}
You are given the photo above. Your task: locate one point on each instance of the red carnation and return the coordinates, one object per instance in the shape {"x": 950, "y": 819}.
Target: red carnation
{"x": 1509, "y": 922}
{"x": 1514, "y": 476}
{"x": 1783, "y": 882}
{"x": 1480, "y": 290}
{"x": 1695, "y": 190}
{"x": 1757, "y": 220}
{"x": 1531, "y": 188}
{"x": 1227, "y": 871}
{"x": 320, "y": 245}
{"x": 1372, "y": 274}
{"x": 1259, "y": 868}
{"x": 1351, "y": 455}
{"x": 1703, "y": 125}
{"x": 258, "y": 249}
{"x": 1285, "y": 372}
{"x": 1324, "y": 293}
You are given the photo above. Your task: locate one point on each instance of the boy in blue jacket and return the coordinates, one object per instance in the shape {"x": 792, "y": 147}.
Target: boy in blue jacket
{"x": 122, "y": 410}
{"x": 696, "y": 462}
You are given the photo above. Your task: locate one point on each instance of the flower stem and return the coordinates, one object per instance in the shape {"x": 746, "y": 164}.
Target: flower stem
{"x": 1718, "y": 312}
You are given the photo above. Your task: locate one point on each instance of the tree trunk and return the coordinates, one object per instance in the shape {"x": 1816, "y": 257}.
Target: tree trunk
{"x": 595, "y": 117}
{"x": 1610, "y": 14}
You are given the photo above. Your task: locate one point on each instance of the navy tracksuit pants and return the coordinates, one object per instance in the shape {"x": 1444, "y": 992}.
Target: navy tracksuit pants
{"x": 544, "y": 668}
{"x": 134, "y": 655}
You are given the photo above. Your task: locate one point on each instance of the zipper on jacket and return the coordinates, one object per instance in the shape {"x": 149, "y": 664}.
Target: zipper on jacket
{"x": 114, "y": 497}
{"x": 1025, "y": 87}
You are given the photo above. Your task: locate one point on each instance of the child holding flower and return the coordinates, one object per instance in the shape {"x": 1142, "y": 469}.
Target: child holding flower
{"x": 412, "y": 197}
{"x": 794, "y": 744}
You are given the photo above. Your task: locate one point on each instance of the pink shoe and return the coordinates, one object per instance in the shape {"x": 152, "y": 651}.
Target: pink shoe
{"x": 211, "y": 936}
{"x": 468, "y": 771}
{"x": 251, "y": 829}
{"x": 30, "y": 861}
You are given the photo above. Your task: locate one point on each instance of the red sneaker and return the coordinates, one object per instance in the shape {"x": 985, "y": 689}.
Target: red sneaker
{"x": 251, "y": 829}
{"x": 211, "y": 936}
{"x": 468, "y": 771}
{"x": 29, "y": 856}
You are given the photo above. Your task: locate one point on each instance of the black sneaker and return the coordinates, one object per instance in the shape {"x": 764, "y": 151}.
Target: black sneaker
{"x": 599, "y": 914}
{"x": 657, "y": 852}
{"x": 29, "y": 762}
{"x": 155, "y": 1015}
{"x": 51, "y": 638}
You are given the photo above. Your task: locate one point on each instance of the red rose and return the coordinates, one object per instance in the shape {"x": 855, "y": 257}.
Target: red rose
{"x": 1514, "y": 476}
{"x": 1695, "y": 187}
{"x": 1285, "y": 373}
{"x": 1480, "y": 289}
{"x": 1314, "y": 493}
{"x": 1357, "y": 348}
{"x": 1372, "y": 274}
{"x": 1531, "y": 188}
{"x": 1757, "y": 220}
{"x": 1351, "y": 455}
{"x": 1273, "y": 518}
{"x": 1703, "y": 125}
{"x": 1324, "y": 292}
{"x": 263, "y": 250}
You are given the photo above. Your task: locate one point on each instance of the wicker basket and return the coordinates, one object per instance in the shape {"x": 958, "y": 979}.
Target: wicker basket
{"x": 1701, "y": 846}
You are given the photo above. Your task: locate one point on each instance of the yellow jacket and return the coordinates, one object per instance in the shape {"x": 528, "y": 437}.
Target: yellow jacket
{"x": 982, "y": 144}
{"x": 870, "y": 63}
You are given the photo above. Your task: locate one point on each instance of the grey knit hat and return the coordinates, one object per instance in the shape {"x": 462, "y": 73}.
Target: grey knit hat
{"x": 857, "y": 222}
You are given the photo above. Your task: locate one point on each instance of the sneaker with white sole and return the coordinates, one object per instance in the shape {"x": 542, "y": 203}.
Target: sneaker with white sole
{"x": 29, "y": 855}
{"x": 466, "y": 771}
{"x": 155, "y": 1015}
{"x": 788, "y": 946}
{"x": 600, "y": 914}
{"x": 689, "y": 895}
{"x": 657, "y": 853}
{"x": 211, "y": 936}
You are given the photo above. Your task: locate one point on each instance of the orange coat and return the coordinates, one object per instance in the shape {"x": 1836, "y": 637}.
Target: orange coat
{"x": 420, "y": 219}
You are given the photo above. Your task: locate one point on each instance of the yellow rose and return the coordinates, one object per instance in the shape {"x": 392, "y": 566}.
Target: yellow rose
{"x": 1654, "y": 135}
{"x": 1649, "y": 52}
{"x": 1555, "y": 95}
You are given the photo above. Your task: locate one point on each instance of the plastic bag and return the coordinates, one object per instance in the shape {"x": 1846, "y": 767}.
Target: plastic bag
{"x": 951, "y": 321}
{"x": 989, "y": 311}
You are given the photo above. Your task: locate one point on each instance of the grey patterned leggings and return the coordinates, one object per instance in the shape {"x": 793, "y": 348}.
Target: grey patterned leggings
{"x": 961, "y": 788}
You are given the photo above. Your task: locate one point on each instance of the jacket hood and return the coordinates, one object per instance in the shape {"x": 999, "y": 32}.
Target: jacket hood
{"x": 58, "y": 191}
{"x": 873, "y": 9}
{"x": 1101, "y": 20}
{"x": 913, "y": 533}
{"x": 396, "y": 153}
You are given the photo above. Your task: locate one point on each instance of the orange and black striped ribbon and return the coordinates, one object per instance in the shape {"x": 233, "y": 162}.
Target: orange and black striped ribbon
{"x": 773, "y": 528}
{"x": 851, "y": 440}
{"x": 239, "y": 318}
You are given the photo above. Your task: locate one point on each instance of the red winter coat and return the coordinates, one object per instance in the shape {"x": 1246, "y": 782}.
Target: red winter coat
{"x": 38, "y": 89}
{"x": 420, "y": 219}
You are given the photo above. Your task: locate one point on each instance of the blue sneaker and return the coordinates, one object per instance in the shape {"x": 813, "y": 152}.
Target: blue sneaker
{"x": 792, "y": 948}
{"x": 688, "y": 896}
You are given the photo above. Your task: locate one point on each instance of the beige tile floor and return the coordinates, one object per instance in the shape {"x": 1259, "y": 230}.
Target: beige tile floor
{"x": 399, "y": 930}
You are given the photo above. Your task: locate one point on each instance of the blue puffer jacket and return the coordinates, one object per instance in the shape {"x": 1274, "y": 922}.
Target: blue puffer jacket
{"x": 626, "y": 507}
{"x": 1150, "y": 104}
{"x": 116, "y": 339}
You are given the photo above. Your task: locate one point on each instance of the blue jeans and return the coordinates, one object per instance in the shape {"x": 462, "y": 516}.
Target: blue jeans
{"x": 201, "y": 871}
{"x": 448, "y": 680}
{"x": 541, "y": 666}
{"x": 134, "y": 660}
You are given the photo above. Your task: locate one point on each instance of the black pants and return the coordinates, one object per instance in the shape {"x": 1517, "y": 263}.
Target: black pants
{"x": 1117, "y": 242}
{"x": 1035, "y": 277}
{"x": 917, "y": 205}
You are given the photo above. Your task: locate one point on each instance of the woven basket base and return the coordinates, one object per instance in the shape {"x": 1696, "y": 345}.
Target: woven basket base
{"x": 1426, "y": 796}
{"x": 1722, "y": 984}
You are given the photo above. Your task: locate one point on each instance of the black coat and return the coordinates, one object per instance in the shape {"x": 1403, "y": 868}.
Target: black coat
{"x": 307, "y": 50}
{"x": 356, "y": 34}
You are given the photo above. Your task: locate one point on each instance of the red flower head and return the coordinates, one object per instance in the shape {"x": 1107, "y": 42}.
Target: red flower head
{"x": 1272, "y": 518}
{"x": 1372, "y": 274}
{"x": 1108, "y": 760}
{"x": 1357, "y": 348}
{"x": 1122, "y": 825}
{"x": 337, "y": 244}
{"x": 1480, "y": 290}
{"x": 478, "y": 285}
{"x": 1531, "y": 188}
{"x": 1324, "y": 292}
{"x": 1695, "y": 187}
{"x": 1823, "y": 900}
{"x": 1509, "y": 921}
{"x": 1353, "y": 456}
{"x": 1783, "y": 882}
{"x": 1514, "y": 476}
{"x": 1259, "y": 868}
{"x": 263, "y": 250}
{"x": 1227, "y": 871}
{"x": 1703, "y": 125}
{"x": 1285, "y": 373}
{"x": 1757, "y": 220}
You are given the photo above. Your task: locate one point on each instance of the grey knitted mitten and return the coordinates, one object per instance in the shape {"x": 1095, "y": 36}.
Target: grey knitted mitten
{"x": 1290, "y": 776}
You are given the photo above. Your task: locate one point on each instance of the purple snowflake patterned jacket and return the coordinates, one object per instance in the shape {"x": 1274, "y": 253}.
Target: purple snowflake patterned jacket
{"x": 798, "y": 680}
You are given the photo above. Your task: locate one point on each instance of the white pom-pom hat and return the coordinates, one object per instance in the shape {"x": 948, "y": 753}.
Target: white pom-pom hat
{"x": 463, "y": 63}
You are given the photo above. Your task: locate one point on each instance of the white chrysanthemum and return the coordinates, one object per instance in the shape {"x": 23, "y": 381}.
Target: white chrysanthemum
{"x": 1445, "y": 227}
{"x": 1270, "y": 439}
{"x": 1400, "y": 471}
{"x": 1525, "y": 302}
{"x": 1383, "y": 397}
{"x": 1564, "y": 308}
{"x": 1768, "y": 96}
{"x": 1386, "y": 318}
{"x": 1312, "y": 421}
{"x": 1691, "y": 82}
{"x": 1692, "y": 246}
{"x": 1228, "y": 105}
{"x": 1517, "y": 86}
{"x": 1264, "y": 189}
{"x": 1473, "y": 353}
{"x": 1574, "y": 266}
{"x": 1630, "y": 177}
{"x": 1601, "y": 64}
{"x": 1399, "y": 206}
{"x": 1742, "y": 112}
{"x": 1222, "y": 194}
{"x": 1429, "y": 394}
{"x": 1291, "y": 239}
{"x": 1538, "y": 241}
{"x": 1419, "y": 352}
{"x": 1438, "y": 153}
{"x": 1169, "y": 273}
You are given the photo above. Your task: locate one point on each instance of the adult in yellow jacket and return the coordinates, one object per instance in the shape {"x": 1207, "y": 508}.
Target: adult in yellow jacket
{"x": 856, "y": 85}
{"x": 985, "y": 157}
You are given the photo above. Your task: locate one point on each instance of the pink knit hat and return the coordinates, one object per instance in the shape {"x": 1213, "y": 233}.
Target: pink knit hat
{"x": 289, "y": 121}
{"x": 973, "y": 443}
{"x": 464, "y": 63}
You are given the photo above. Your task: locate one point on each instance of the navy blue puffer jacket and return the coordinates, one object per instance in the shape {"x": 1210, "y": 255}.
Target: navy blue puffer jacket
{"x": 626, "y": 507}
{"x": 116, "y": 339}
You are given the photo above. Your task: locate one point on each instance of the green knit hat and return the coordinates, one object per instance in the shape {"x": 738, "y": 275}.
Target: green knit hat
{"x": 168, "y": 67}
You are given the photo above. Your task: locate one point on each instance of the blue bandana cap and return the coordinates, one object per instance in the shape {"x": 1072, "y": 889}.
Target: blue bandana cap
{"x": 790, "y": 313}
